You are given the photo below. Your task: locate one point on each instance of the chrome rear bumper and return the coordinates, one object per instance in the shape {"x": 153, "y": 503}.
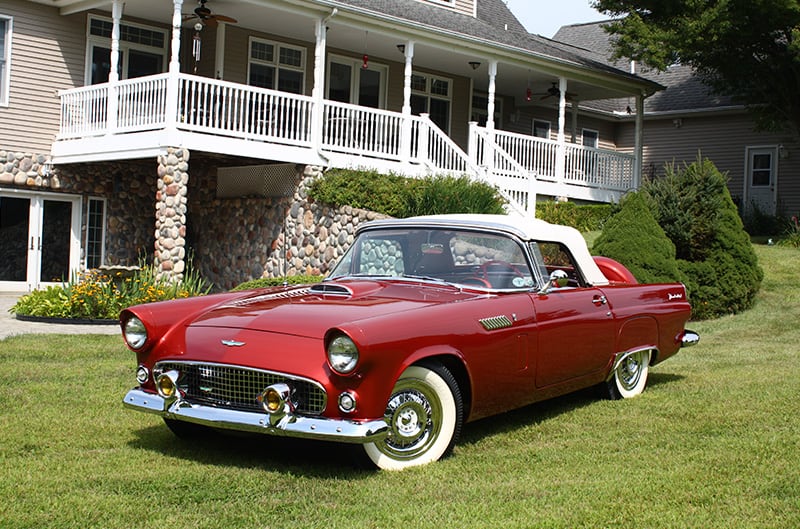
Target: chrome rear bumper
{"x": 286, "y": 425}
{"x": 689, "y": 338}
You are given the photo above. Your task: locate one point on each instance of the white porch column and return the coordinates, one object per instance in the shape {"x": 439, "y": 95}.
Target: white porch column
{"x": 491, "y": 139}
{"x": 318, "y": 90}
{"x": 492, "y": 92}
{"x": 112, "y": 101}
{"x": 173, "y": 81}
{"x": 639, "y": 142}
{"x": 561, "y": 151}
{"x": 405, "y": 132}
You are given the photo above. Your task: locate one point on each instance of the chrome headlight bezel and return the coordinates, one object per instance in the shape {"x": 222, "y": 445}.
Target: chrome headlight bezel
{"x": 342, "y": 354}
{"x": 134, "y": 332}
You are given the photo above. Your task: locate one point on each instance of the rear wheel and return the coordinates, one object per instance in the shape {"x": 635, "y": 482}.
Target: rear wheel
{"x": 425, "y": 413}
{"x": 630, "y": 376}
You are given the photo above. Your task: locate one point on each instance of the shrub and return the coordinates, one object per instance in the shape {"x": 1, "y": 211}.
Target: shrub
{"x": 583, "y": 218}
{"x": 400, "y": 197}
{"x": 792, "y": 236}
{"x": 97, "y": 295}
{"x": 634, "y": 238}
{"x": 453, "y": 194}
{"x": 715, "y": 255}
{"x": 263, "y": 282}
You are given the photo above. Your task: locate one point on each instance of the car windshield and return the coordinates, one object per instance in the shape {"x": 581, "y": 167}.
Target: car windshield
{"x": 469, "y": 258}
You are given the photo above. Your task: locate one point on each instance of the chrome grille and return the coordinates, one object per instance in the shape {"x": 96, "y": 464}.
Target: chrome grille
{"x": 233, "y": 387}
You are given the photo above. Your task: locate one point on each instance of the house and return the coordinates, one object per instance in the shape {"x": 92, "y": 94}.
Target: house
{"x": 158, "y": 128}
{"x": 687, "y": 120}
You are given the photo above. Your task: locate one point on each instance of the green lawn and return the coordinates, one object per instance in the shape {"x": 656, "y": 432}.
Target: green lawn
{"x": 713, "y": 443}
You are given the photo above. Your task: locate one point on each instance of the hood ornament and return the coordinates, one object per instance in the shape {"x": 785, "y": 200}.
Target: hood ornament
{"x": 232, "y": 343}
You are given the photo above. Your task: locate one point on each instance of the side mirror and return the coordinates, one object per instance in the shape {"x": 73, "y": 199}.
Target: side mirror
{"x": 558, "y": 279}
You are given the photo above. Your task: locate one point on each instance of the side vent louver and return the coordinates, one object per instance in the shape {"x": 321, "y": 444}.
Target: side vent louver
{"x": 495, "y": 322}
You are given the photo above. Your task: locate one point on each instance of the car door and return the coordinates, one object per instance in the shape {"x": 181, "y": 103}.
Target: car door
{"x": 576, "y": 327}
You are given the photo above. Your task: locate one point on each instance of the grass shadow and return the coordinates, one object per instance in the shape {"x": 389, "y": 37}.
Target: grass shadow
{"x": 306, "y": 457}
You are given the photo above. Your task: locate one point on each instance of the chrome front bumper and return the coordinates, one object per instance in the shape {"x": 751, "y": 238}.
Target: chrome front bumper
{"x": 286, "y": 425}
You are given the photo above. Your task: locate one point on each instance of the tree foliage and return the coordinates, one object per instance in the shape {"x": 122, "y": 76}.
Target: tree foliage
{"x": 748, "y": 50}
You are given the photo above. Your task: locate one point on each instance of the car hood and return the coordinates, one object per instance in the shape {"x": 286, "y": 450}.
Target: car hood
{"x": 312, "y": 310}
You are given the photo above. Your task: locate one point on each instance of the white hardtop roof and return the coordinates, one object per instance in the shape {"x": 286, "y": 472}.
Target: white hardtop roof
{"x": 527, "y": 229}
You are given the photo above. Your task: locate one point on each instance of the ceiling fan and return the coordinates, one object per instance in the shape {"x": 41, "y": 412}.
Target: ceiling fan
{"x": 206, "y": 17}
{"x": 553, "y": 91}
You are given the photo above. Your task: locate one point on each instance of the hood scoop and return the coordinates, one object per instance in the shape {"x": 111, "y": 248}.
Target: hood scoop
{"x": 330, "y": 289}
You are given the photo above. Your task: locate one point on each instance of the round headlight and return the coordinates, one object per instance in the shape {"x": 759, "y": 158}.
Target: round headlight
{"x": 342, "y": 354}
{"x": 135, "y": 333}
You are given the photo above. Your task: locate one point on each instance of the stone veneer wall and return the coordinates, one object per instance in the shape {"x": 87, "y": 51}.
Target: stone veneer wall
{"x": 233, "y": 240}
{"x": 239, "y": 239}
{"x": 127, "y": 187}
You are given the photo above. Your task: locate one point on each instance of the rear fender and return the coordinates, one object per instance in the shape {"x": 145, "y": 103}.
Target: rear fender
{"x": 638, "y": 334}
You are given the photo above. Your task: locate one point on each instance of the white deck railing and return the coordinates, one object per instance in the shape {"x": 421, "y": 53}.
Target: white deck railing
{"x": 513, "y": 162}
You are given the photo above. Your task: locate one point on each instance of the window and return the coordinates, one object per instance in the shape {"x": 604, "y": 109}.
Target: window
{"x": 276, "y": 66}
{"x": 552, "y": 256}
{"x": 142, "y": 50}
{"x": 348, "y": 82}
{"x": 541, "y": 129}
{"x": 432, "y": 95}
{"x": 5, "y": 59}
{"x": 761, "y": 172}
{"x": 590, "y": 138}
{"x": 95, "y": 232}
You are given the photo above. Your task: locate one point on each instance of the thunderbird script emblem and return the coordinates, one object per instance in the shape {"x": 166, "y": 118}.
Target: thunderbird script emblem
{"x": 232, "y": 343}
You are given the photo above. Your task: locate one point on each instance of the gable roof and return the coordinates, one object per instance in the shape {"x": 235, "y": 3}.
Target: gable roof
{"x": 685, "y": 91}
{"x": 494, "y": 25}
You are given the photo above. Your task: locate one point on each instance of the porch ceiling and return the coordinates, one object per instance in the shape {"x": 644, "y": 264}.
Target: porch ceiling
{"x": 517, "y": 70}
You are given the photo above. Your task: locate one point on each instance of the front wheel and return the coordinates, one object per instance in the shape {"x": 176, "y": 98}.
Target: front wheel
{"x": 425, "y": 413}
{"x": 630, "y": 377}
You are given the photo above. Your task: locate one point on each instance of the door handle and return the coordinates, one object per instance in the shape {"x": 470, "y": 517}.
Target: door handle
{"x": 31, "y": 243}
{"x": 599, "y": 300}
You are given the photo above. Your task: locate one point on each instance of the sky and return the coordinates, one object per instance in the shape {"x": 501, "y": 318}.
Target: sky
{"x": 544, "y": 17}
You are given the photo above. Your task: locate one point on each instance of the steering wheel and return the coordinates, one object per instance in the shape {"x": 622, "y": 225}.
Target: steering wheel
{"x": 476, "y": 281}
{"x": 484, "y": 269}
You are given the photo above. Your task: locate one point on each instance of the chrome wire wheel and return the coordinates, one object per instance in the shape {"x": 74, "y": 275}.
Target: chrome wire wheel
{"x": 424, "y": 416}
{"x": 630, "y": 376}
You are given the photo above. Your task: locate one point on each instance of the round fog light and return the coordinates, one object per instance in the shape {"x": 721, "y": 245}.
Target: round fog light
{"x": 347, "y": 402}
{"x": 166, "y": 384}
{"x": 275, "y": 398}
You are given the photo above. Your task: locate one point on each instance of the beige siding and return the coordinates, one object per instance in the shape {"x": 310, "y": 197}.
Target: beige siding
{"x": 462, "y": 6}
{"x": 723, "y": 139}
{"x": 47, "y": 54}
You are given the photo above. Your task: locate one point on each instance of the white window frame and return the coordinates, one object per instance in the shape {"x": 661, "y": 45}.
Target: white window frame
{"x": 5, "y": 61}
{"x": 429, "y": 78}
{"x": 102, "y": 228}
{"x": 124, "y": 47}
{"x": 356, "y": 65}
{"x": 481, "y": 109}
{"x": 544, "y": 122}
{"x": 596, "y": 134}
{"x": 448, "y": 3}
{"x": 276, "y": 61}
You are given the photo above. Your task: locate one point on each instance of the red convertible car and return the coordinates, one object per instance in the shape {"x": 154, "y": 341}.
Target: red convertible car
{"x": 425, "y": 323}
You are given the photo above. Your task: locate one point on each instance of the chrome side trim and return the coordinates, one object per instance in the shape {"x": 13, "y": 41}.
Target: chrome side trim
{"x": 689, "y": 338}
{"x": 340, "y": 430}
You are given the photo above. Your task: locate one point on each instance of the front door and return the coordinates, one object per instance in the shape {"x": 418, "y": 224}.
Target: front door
{"x": 761, "y": 180}
{"x": 39, "y": 239}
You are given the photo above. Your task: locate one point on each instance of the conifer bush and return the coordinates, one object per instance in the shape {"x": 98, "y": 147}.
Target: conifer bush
{"x": 633, "y": 237}
{"x": 715, "y": 255}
